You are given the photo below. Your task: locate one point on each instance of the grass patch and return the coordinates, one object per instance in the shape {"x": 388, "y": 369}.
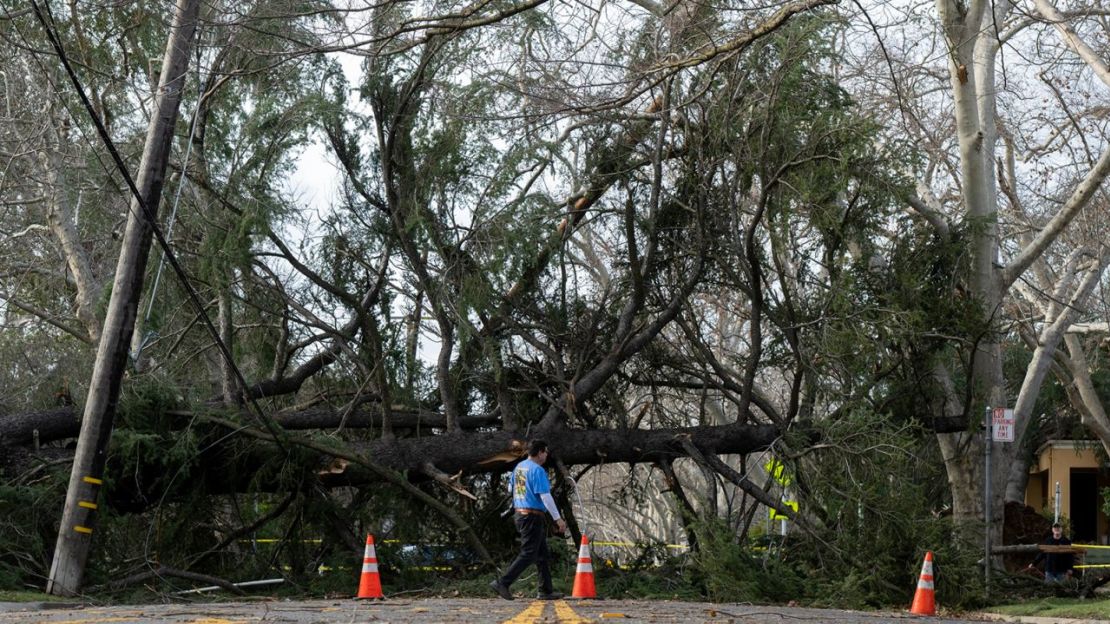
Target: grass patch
{"x": 1058, "y": 607}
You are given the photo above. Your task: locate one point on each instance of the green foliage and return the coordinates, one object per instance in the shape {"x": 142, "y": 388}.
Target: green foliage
{"x": 29, "y": 514}
{"x": 673, "y": 579}
{"x": 872, "y": 496}
{"x": 734, "y": 572}
{"x": 878, "y": 489}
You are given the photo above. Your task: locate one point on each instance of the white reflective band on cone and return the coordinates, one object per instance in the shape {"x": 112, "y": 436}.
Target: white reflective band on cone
{"x": 586, "y": 567}
{"x": 369, "y": 567}
{"x": 584, "y": 552}
{"x": 927, "y": 568}
{"x": 370, "y": 554}
{"x": 924, "y": 584}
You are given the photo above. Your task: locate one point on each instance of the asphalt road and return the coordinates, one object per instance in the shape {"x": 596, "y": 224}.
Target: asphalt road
{"x": 450, "y": 611}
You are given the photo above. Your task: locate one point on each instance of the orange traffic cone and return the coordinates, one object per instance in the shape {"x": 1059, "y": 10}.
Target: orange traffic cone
{"x": 584, "y": 576}
{"x": 924, "y": 599}
{"x": 370, "y": 585}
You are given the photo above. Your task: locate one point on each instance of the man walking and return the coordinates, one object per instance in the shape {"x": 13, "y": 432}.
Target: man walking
{"x": 531, "y": 492}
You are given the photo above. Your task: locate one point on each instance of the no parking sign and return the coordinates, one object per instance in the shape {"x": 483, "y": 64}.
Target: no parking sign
{"x": 1002, "y": 425}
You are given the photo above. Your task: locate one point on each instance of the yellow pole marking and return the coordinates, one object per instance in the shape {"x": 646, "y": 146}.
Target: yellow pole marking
{"x": 209, "y": 620}
{"x": 86, "y": 504}
{"x": 529, "y": 615}
{"x": 82, "y": 529}
{"x": 92, "y": 480}
{"x": 567, "y": 615}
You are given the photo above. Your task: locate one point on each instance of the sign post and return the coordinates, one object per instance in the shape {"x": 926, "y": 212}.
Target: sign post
{"x": 987, "y": 441}
{"x": 1056, "y": 516}
{"x": 998, "y": 426}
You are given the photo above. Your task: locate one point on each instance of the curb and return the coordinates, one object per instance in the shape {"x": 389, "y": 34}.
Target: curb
{"x": 1038, "y": 619}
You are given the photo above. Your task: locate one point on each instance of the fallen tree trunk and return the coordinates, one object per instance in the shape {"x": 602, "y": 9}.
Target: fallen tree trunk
{"x": 64, "y": 422}
{"x": 477, "y": 452}
{"x": 55, "y": 424}
{"x": 494, "y": 451}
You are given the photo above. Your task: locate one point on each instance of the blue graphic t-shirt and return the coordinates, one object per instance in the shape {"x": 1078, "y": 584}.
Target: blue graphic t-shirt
{"x": 529, "y": 480}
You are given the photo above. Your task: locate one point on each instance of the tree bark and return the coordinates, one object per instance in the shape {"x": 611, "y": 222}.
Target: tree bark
{"x": 63, "y": 224}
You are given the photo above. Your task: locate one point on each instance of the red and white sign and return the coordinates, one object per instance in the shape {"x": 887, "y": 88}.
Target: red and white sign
{"x": 1002, "y": 424}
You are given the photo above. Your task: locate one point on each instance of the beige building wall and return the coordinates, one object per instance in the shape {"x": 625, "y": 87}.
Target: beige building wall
{"x": 1055, "y": 461}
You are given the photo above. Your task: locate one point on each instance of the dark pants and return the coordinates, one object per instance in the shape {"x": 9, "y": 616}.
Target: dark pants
{"x": 533, "y": 549}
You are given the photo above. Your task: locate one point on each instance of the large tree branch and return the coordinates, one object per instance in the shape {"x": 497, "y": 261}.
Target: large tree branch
{"x": 76, "y": 332}
{"x": 737, "y": 479}
{"x": 1047, "y": 342}
{"x": 1077, "y": 201}
{"x": 384, "y": 472}
{"x": 1073, "y": 41}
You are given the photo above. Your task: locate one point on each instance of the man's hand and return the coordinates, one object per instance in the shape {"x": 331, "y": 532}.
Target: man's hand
{"x": 561, "y": 526}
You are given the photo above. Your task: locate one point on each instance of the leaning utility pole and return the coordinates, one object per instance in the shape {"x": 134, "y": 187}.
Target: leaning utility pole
{"x": 75, "y": 532}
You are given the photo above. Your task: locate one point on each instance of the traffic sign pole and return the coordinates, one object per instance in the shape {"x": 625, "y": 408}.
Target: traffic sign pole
{"x": 987, "y": 443}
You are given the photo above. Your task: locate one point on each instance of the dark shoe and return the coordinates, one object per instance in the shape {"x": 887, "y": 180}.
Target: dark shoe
{"x": 501, "y": 590}
{"x": 550, "y": 595}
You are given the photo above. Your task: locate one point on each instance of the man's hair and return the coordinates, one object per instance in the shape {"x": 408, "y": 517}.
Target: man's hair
{"x": 1057, "y": 526}
{"x": 535, "y": 447}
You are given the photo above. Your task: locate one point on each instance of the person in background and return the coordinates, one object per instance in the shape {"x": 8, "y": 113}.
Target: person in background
{"x": 531, "y": 492}
{"x": 1057, "y": 566}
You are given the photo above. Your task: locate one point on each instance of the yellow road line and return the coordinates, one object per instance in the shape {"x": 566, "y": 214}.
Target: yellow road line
{"x": 567, "y": 615}
{"x": 529, "y": 615}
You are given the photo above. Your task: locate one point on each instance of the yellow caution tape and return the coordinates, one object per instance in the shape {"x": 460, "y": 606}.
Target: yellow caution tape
{"x": 634, "y": 545}
{"x": 270, "y": 540}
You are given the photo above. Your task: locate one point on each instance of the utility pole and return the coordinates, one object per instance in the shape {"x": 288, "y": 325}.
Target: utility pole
{"x": 78, "y": 517}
